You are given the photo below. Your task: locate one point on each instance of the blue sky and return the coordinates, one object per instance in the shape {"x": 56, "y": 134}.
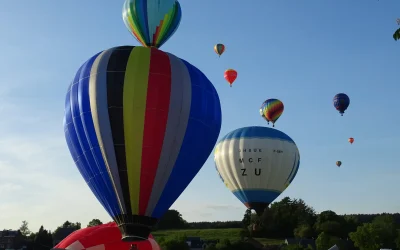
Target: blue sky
{"x": 301, "y": 52}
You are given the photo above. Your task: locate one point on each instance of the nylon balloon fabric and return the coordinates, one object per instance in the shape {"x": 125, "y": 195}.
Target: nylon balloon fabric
{"x": 256, "y": 164}
{"x": 230, "y": 75}
{"x": 271, "y": 110}
{"x": 102, "y": 237}
{"x": 341, "y": 102}
{"x": 140, "y": 123}
{"x": 219, "y": 49}
{"x": 152, "y": 22}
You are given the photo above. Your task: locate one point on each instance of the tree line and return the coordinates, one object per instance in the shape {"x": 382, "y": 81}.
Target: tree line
{"x": 288, "y": 218}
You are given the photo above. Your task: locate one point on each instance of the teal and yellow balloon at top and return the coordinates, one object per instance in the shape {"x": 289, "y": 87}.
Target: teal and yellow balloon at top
{"x": 152, "y": 22}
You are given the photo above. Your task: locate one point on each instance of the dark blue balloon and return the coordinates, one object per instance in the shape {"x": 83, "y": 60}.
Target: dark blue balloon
{"x": 341, "y": 102}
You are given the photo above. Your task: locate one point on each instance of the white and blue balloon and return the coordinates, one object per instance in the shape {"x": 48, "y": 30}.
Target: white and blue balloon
{"x": 257, "y": 164}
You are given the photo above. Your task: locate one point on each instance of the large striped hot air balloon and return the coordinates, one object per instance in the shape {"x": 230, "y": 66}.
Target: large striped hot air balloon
{"x": 257, "y": 164}
{"x": 139, "y": 124}
{"x": 152, "y": 22}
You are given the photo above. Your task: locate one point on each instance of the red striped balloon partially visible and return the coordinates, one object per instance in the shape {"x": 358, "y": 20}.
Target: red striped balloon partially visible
{"x": 103, "y": 237}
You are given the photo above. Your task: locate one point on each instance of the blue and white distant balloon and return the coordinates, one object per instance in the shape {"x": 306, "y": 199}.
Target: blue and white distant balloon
{"x": 257, "y": 164}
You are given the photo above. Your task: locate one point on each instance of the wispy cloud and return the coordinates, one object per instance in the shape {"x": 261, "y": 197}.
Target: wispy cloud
{"x": 38, "y": 179}
{"x": 41, "y": 185}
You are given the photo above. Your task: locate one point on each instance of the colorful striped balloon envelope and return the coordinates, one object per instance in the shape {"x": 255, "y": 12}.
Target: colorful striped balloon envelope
{"x": 152, "y": 22}
{"x": 271, "y": 110}
{"x": 219, "y": 49}
{"x": 140, "y": 123}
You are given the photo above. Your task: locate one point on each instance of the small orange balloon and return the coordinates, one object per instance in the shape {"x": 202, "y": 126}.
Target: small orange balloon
{"x": 351, "y": 140}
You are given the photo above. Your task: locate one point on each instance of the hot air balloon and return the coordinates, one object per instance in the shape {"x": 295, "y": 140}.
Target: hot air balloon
{"x": 219, "y": 49}
{"x": 396, "y": 34}
{"x": 230, "y": 75}
{"x": 257, "y": 164}
{"x": 263, "y": 116}
{"x": 271, "y": 110}
{"x": 351, "y": 140}
{"x": 132, "y": 118}
{"x": 338, "y": 163}
{"x": 341, "y": 102}
{"x": 152, "y": 22}
{"x": 104, "y": 237}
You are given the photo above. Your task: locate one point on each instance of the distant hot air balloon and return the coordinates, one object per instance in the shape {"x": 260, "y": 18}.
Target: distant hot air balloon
{"x": 152, "y": 22}
{"x": 271, "y": 110}
{"x": 351, "y": 140}
{"x": 341, "y": 102}
{"x": 230, "y": 75}
{"x": 219, "y": 49}
{"x": 132, "y": 116}
{"x": 257, "y": 164}
{"x": 103, "y": 237}
{"x": 263, "y": 116}
{"x": 338, "y": 163}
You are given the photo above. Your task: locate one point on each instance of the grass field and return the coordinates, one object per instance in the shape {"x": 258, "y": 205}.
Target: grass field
{"x": 232, "y": 234}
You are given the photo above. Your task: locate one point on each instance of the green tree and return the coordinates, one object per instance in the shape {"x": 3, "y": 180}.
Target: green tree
{"x": 381, "y": 233}
{"x": 323, "y": 241}
{"x": 330, "y": 223}
{"x": 304, "y": 231}
{"x": 385, "y": 227}
{"x": 247, "y": 218}
{"x": 330, "y": 227}
{"x": 172, "y": 219}
{"x": 94, "y": 222}
{"x": 43, "y": 240}
{"x": 351, "y": 224}
{"x": 244, "y": 233}
{"x": 67, "y": 224}
{"x": 365, "y": 238}
{"x": 326, "y": 241}
{"x": 76, "y": 225}
{"x": 224, "y": 245}
{"x": 24, "y": 229}
{"x": 397, "y": 240}
{"x": 177, "y": 243}
{"x": 284, "y": 216}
